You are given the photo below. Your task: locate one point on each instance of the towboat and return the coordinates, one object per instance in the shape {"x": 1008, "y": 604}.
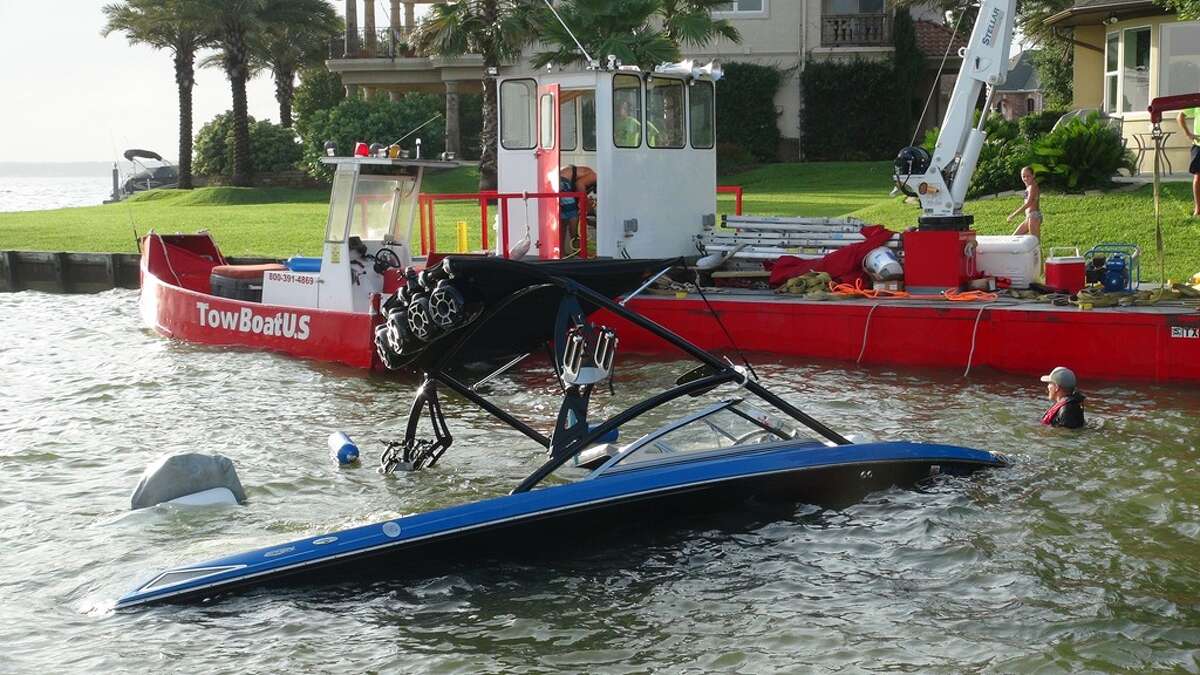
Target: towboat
{"x": 647, "y": 138}
{"x": 742, "y": 442}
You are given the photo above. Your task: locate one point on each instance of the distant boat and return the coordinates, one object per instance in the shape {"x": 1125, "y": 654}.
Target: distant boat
{"x": 162, "y": 174}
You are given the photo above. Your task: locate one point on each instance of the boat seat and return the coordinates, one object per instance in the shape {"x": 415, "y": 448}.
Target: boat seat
{"x": 246, "y": 271}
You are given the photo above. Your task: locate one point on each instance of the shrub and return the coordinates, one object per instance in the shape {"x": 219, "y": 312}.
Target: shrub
{"x": 1036, "y": 125}
{"x": 1081, "y": 154}
{"x": 470, "y": 124}
{"x": 845, "y": 115}
{"x": 319, "y": 89}
{"x": 1001, "y": 159}
{"x": 746, "y": 109}
{"x": 732, "y": 157}
{"x": 272, "y": 147}
{"x": 377, "y": 120}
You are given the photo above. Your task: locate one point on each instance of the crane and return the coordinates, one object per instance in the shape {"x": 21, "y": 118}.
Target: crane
{"x": 940, "y": 182}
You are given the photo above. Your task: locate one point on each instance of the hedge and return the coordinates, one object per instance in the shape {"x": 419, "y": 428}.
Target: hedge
{"x": 846, "y": 111}
{"x": 746, "y": 109}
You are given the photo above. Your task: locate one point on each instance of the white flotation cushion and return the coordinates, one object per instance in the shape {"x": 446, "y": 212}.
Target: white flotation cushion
{"x": 178, "y": 475}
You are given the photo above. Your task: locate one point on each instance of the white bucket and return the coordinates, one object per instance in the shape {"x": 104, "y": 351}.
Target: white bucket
{"x": 881, "y": 263}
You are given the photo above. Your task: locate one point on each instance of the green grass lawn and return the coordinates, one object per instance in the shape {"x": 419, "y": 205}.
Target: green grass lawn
{"x": 282, "y": 222}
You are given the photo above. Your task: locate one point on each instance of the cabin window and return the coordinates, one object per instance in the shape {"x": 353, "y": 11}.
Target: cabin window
{"x": 739, "y": 6}
{"x": 587, "y": 119}
{"x": 627, "y": 111}
{"x": 1135, "y": 70}
{"x": 1179, "y": 58}
{"x": 339, "y": 204}
{"x": 546, "y": 122}
{"x": 702, "y": 114}
{"x": 374, "y": 201}
{"x": 566, "y": 125}
{"x": 1112, "y": 44}
{"x": 517, "y": 114}
{"x": 665, "y": 121}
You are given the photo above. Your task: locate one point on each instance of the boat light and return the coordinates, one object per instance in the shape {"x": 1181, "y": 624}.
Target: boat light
{"x": 361, "y": 150}
{"x": 330, "y": 149}
{"x": 379, "y": 150}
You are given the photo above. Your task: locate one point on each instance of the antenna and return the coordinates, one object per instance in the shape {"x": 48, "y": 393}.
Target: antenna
{"x": 422, "y": 126}
{"x": 591, "y": 62}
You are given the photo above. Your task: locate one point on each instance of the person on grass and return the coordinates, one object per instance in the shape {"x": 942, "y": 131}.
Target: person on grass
{"x": 1193, "y": 134}
{"x": 1032, "y": 206}
{"x": 1061, "y": 389}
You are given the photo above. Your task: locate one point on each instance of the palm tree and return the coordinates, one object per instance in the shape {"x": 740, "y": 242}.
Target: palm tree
{"x": 638, "y": 32}
{"x": 173, "y": 25}
{"x": 497, "y": 30}
{"x": 289, "y": 48}
{"x": 239, "y": 28}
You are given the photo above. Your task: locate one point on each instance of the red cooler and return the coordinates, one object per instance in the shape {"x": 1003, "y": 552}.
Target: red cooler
{"x": 1065, "y": 269}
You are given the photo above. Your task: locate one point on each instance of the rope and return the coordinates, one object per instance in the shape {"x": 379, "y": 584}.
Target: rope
{"x": 732, "y": 342}
{"x": 866, "y": 328}
{"x": 974, "y": 333}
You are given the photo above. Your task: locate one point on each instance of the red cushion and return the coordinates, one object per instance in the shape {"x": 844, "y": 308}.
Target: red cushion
{"x": 246, "y": 271}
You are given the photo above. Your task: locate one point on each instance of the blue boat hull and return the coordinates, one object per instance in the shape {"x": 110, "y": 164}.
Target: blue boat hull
{"x": 807, "y": 472}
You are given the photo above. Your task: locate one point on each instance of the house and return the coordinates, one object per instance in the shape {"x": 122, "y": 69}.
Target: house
{"x": 1021, "y": 93}
{"x": 783, "y": 33}
{"x": 1128, "y": 52}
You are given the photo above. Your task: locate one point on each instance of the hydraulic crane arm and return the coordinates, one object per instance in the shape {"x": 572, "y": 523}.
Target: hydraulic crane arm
{"x": 1164, "y": 104}
{"x": 941, "y": 181}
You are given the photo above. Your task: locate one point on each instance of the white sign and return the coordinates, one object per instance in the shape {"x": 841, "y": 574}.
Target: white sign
{"x": 1187, "y": 332}
{"x": 287, "y": 324}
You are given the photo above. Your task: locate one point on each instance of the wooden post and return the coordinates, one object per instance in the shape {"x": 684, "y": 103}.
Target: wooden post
{"x": 10, "y": 271}
{"x": 59, "y": 262}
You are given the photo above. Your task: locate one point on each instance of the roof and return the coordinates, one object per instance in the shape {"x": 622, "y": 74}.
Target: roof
{"x": 932, "y": 39}
{"x": 1086, "y": 12}
{"x": 1022, "y": 75}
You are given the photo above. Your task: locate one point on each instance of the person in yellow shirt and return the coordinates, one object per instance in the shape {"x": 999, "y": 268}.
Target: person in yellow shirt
{"x": 1193, "y": 134}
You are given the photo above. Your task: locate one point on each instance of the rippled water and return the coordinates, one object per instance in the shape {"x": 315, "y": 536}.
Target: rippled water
{"x": 1083, "y": 556}
{"x": 35, "y": 193}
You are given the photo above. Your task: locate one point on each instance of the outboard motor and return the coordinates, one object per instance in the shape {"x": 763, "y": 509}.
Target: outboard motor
{"x": 189, "y": 478}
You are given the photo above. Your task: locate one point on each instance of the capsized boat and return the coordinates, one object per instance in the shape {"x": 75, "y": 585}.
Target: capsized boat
{"x": 720, "y": 454}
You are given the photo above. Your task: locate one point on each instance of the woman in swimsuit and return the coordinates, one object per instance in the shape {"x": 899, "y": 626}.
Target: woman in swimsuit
{"x": 1032, "y": 206}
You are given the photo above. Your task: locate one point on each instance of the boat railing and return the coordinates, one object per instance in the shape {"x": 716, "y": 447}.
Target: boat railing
{"x": 428, "y": 227}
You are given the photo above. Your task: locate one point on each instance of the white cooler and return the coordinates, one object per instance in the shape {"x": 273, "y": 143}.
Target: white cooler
{"x": 1017, "y": 258}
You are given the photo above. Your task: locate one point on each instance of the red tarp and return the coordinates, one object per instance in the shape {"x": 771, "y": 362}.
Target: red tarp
{"x": 844, "y": 264}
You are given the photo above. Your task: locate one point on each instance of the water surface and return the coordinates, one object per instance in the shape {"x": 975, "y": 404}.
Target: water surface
{"x": 1083, "y": 556}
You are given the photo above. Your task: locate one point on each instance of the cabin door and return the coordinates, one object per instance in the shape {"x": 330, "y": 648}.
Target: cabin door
{"x": 548, "y": 171}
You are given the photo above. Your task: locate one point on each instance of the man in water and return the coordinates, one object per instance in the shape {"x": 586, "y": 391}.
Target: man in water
{"x": 1067, "y": 410}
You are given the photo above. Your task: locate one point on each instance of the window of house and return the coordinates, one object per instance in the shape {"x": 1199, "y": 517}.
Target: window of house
{"x": 1135, "y": 69}
{"x": 703, "y": 114}
{"x": 546, "y": 122}
{"x": 852, "y": 6}
{"x": 627, "y": 111}
{"x": 740, "y": 6}
{"x": 1112, "y": 46}
{"x": 1179, "y": 58}
{"x": 666, "y": 122}
{"x": 517, "y": 114}
{"x": 1030, "y": 106}
{"x": 587, "y": 119}
{"x": 566, "y": 125}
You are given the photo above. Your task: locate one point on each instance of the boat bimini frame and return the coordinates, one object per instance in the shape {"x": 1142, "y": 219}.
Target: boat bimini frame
{"x": 582, "y": 353}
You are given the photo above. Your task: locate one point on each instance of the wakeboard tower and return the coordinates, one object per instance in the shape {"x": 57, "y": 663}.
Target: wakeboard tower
{"x": 715, "y": 457}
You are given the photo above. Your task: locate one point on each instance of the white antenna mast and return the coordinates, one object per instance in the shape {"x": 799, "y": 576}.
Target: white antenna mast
{"x": 591, "y": 62}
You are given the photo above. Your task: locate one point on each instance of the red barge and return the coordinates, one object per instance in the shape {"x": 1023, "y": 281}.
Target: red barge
{"x": 332, "y": 308}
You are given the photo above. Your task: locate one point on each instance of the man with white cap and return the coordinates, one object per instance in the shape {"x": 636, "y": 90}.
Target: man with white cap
{"x": 1067, "y": 410}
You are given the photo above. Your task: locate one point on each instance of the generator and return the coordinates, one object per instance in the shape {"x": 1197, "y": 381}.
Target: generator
{"x": 1115, "y": 266}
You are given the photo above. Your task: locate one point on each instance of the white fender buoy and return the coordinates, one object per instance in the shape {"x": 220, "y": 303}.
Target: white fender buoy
{"x": 189, "y": 478}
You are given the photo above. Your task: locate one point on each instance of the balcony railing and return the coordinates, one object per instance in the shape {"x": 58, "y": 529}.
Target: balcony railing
{"x": 386, "y": 45}
{"x": 856, "y": 30}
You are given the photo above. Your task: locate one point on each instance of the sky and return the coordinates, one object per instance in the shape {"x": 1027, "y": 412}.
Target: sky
{"x": 69, "y": 94}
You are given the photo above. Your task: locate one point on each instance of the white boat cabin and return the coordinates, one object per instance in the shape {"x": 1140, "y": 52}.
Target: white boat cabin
{"x": 368, "y": 231}
{"x": 646, "y": 140}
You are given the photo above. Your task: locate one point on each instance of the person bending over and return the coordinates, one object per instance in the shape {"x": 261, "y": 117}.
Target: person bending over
{"x": 1193, "y": 134}
{"x": 1061, "y": 389}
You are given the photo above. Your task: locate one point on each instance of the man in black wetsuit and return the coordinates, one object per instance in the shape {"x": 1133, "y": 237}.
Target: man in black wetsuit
{"x": 1067, "y": 410}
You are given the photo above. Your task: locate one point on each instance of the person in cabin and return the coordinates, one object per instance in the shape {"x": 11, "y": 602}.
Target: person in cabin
{"x": 627, "y": 131}
{"x": 1032, "y": 206}
{"x": 1193, "y": 134}
{"x": 572, "y": 179}
{"x": 1062, "y": 390}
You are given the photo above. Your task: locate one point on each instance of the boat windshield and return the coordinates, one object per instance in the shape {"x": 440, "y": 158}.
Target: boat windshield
{"x": 725, "y": 425}
{"x": 378, "y": 202}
